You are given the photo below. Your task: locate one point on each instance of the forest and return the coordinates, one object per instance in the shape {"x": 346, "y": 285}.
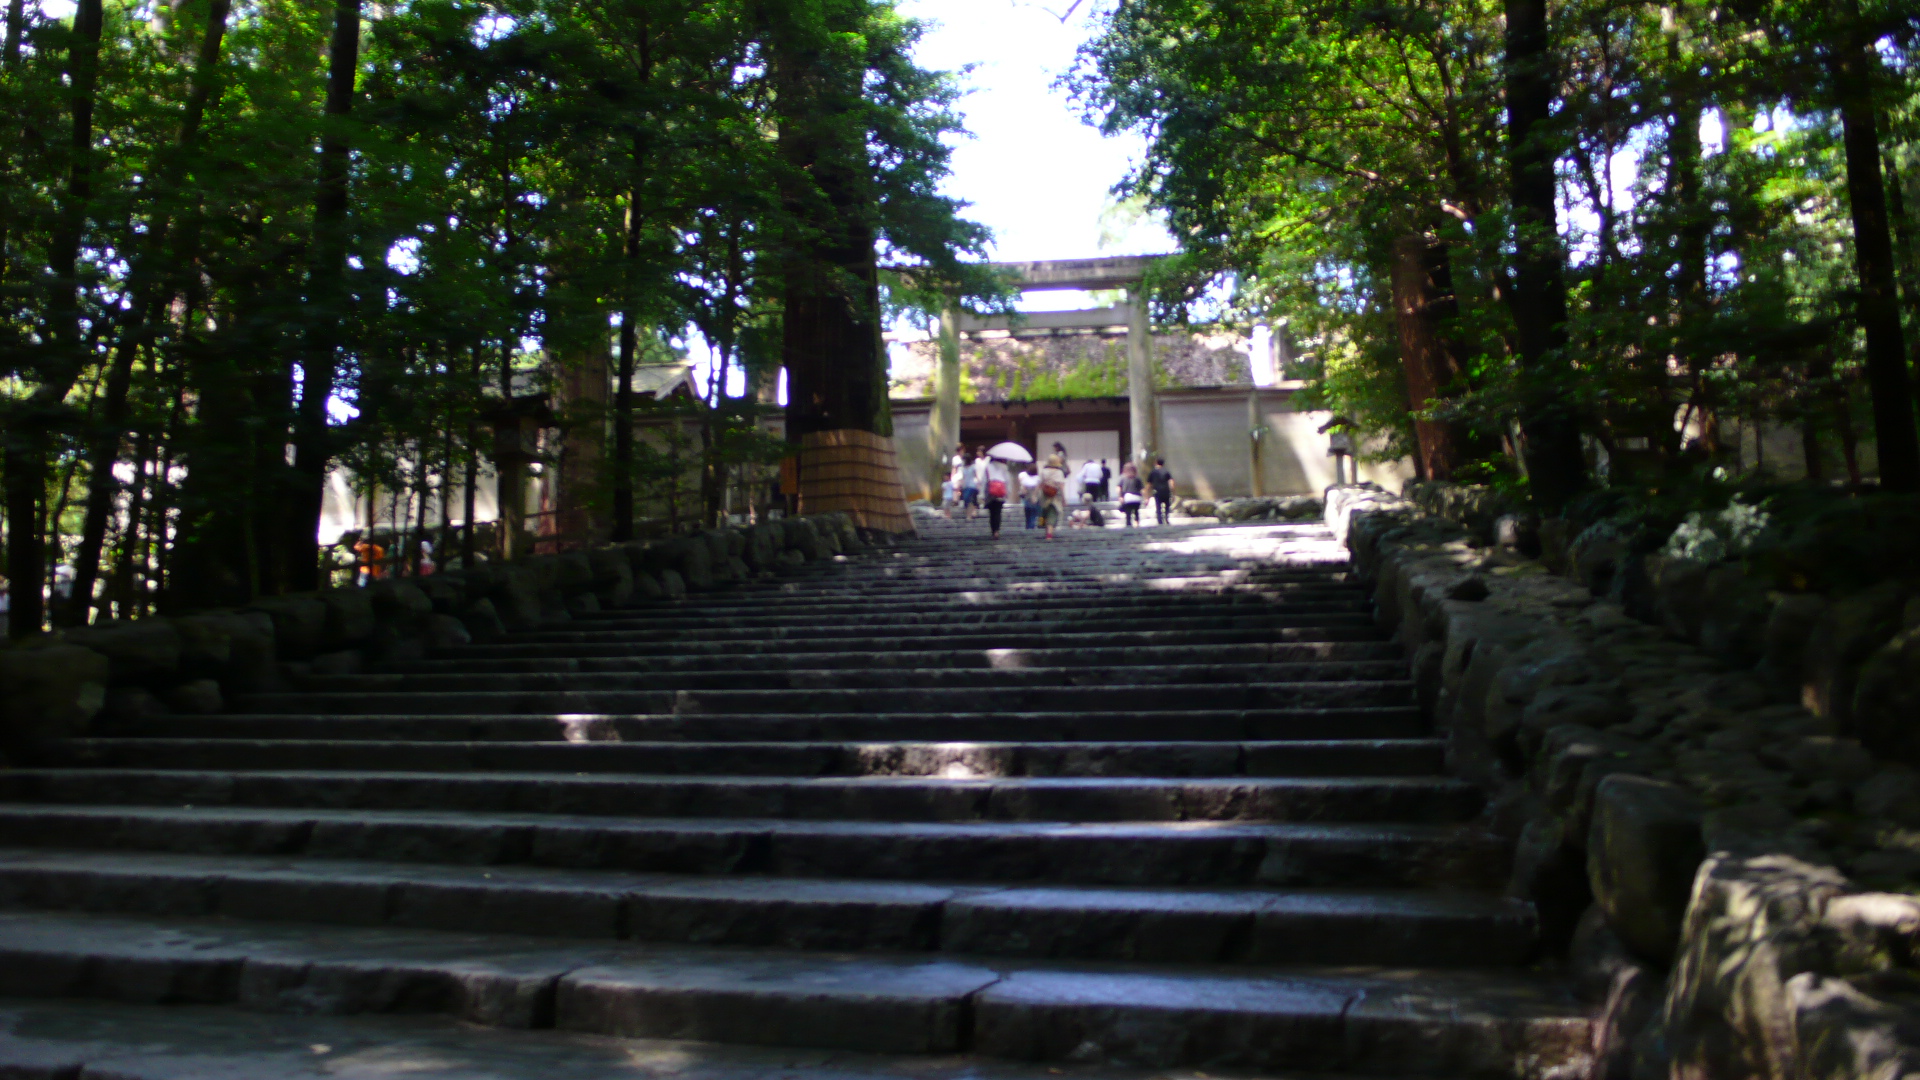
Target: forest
{"x": 1559, "y": 248}
{"x": 244, "y": 243}
{"x": 1552, "y": 246}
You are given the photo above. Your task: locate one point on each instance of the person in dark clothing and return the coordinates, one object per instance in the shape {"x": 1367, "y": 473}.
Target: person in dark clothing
{"x": 1106, "y": 480}
{"x": 1161, "y": 481}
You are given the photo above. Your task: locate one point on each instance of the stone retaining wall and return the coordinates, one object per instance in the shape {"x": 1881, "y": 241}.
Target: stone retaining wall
{"x": 62, "y": 685}
{"x": 1723, "y": 863}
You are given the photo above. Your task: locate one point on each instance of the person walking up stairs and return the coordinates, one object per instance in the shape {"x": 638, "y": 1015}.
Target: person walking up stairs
{"x": 1134, "y": 800}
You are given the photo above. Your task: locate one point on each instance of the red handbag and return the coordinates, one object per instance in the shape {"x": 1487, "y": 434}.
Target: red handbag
{"x": 996, "y": 489}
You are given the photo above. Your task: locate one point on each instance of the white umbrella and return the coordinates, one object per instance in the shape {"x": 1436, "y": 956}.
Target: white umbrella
{"x": 1010, "y": 451}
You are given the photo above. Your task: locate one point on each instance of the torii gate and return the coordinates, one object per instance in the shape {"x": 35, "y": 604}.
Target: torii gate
{"x": 1112, "y": 272}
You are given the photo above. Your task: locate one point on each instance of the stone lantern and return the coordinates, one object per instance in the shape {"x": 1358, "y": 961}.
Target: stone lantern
{"x": 517, "y": 423}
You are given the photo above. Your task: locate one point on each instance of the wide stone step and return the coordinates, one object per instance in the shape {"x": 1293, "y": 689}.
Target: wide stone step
{"x": 1397, "y": 1021}
{"x": 1333, "y": 757}
{"x": 994, "y": 698}
{"x": 923, "y": 614}
{"x": 903, "y": 660}
{"x": 62, "y": 1038}
{"x": 935, "y": 588}
{"x": 1165, "y": 592}
{"x": 1161, "y": 926}
{"x": 867, "y": 677}
{"x": 1214, "y": 854}
{"x": 1093, "y": 727}
{"x": 989, "y": 659}
{"x": 787, "y": 642}
{"x": 835, "y": 798}
{"x": 1016, "y": 621}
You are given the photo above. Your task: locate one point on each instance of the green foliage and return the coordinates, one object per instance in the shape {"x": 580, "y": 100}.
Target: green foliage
{"x": 522, "y": 176}
{"x": 1293, "y": 144}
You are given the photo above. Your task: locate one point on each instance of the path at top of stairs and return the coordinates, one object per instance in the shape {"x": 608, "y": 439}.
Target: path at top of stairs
{"x": 1130, "y": 799}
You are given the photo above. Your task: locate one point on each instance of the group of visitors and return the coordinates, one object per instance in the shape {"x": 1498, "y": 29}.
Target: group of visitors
{"x": 978, "y": 481}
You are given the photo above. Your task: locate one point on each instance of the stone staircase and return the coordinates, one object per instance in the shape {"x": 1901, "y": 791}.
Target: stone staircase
{"x": 1133, "y": 799}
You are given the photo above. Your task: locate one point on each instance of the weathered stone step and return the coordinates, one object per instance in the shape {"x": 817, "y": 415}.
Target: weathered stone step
{"x": 58, "y": 1039}
{"x": 1428, "y": 1022}
{"x": 994, "y": 698}
{"x": 1017, "y": 621}
{"x": 990, "y": 659}
{"x": 785, "y": 641}
{"x": 1142, "y": 673}
{"x": 1214, "y": 854}
{"x": 1160, "y": 926}
{"x": 1092, "y": 727}
{"x": 940, "y": 593}
{"x": 1018, "y": 611}
{"x": 830, "y": 798}
{"x": 1334, "y": 757}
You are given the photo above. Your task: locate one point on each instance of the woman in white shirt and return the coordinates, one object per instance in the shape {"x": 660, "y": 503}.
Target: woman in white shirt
{"x": 996, "y": 485}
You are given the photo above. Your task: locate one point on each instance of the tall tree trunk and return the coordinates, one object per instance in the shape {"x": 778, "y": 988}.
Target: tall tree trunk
{"x": 328, "y": 302}
{"x": 1690, "y": 222}
{"x": 623, "y": 385}
{"x": 470, "y": 491}
{"x": 16, "y": 28}
{"x": 150, "y": 269}
{"x": 1556, "y": 468}
{"x": 1909, "y": 271}
{"x": 1855, "y": 67}
{"x": 64, "y": 356}
{"x": 830, "y": 342}
{"x": 1423, "y": 300}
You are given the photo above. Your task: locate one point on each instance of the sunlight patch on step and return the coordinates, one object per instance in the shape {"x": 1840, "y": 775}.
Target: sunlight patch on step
{"x": 587, "y": 727}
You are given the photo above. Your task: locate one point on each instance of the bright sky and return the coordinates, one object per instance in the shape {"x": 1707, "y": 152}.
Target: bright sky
{"x": 1035, "y": 173}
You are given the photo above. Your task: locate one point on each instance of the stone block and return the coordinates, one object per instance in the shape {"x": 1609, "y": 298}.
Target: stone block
{"x": 1680, "y": 587}
{"x": 50, "y": 691}
{"x": 400, "y": 601}
{"x": 802, "y": 537}
{"x": 612, "y": 576}
{"x": 573, "y": 572}
{"x": 1643, "y": 851}
{"x": 251, "y": 652}
{"x": 672, "y": 585}
{"x": 349, "y": 618}
{"x": 446, "y": 631}
{"x": 206, "y": 645}
{"x": 1850, "y": 631}
{"x": 1783, "y": 644}
{"x": 717, "y": 554}
{"x": 516, "y": 597}
{"x": 132, "y": 705}
{"x": 647, "y": 587}
{"x": 343, "y": 662}
{"x": 446, "y": 592}
{"x": 142, "y": 651}
{"x": 196, "y": 697}
{"x": 482, "y": 621}
{"x": 1549, "y": 871}
{"x": 690, "y": 558}
{"x": 1886, "y": 699}
{"x": 1556, "y": 535}
{"x": 1735, "y": 610}
{"x": 764, "y": 542}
